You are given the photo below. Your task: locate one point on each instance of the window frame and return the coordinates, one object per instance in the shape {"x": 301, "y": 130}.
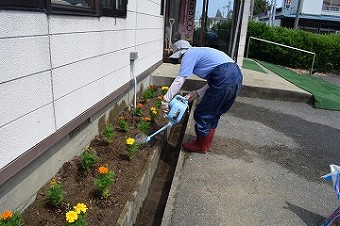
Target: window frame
{"x": 95, "y": 9}
{"x": 52, "y": 8}
{"x": 114, "y": 12}
{"x": 31, "y": 5}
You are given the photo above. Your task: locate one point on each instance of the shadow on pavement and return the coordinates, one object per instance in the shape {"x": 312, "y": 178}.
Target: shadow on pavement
{"x": 308, "y": 217}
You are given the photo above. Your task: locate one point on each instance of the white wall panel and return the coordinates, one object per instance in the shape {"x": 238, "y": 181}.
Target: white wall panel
{"x": 74, "y": 76}
{"x": 23, "y": 56}
{"x": 149, "y": 35}
{"x": 70, "y": 48}
{"x": 74, "y": 24}
{"x": 312, "y": 7}
{"x": 147, "y": 21}
{"x": 19, "y": 136}
{"x": 131, "y": 6}
{"x": 146, "y": 62}
{"x": 150, "y": 48}
{"x": 22, "y": 96}
{"x": 72, "y": 105}
{"x": 149, "y": 7}
{"x": 20, "y": 23}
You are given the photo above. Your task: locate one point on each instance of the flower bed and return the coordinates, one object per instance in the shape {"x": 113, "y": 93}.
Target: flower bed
{"x": 95, "y": 187}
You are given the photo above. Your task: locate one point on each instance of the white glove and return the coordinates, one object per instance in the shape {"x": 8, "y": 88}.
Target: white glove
{"x": 191, "y": 96}
{"x": 165, "y": 107}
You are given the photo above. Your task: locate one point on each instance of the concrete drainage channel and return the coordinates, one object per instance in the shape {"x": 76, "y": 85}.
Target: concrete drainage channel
{"x": 150, "y": 198}
{"x": 151, "y": 213}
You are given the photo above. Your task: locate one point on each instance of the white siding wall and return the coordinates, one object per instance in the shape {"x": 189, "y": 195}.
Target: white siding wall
{"x": 312, "y": 7}
{"x": 53, "y": 68}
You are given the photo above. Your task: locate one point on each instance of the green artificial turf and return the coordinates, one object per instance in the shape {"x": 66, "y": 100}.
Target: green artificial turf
{"x": 252, "y": 65}
{"x": 326, "y": 95}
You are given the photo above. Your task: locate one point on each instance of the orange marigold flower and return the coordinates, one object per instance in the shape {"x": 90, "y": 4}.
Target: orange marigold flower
{"x": 160, "y": 97}
{"x": 139, "y": 105}
{"x": 7, "y": 214}
{"x": 152, "y": 87}
{"x": 121, "y": 118}
{"x": 147, "y": 118}
{"x": 103, "y": 170}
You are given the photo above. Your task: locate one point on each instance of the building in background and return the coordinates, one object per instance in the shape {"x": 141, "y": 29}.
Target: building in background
{"x": 319, "y": 16}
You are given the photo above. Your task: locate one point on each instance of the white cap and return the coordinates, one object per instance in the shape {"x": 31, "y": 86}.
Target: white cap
{"x": 179, "y": 48}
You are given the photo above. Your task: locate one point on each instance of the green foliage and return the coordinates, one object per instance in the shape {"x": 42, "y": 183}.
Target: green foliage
{"x": 132, "y": 147}
{"x": 260, "y": 7}
{"x": 218, "y": 13}
{"x": 88, "y": 158}
{"x": 81, "y": 221}
{"x": 55, "y": 195}
{"x": 144, "y": 126}
{"x": 138, "y": 112}
{"x": 326, "y": 47}
{"x": 103, "y": 182}
{"x": 149, "y": 93}
{"x": 158, "y": 104}
{"x": 76, "y": 216}
{"x": 108, "y": 133}
{"x": 123, "y": 126}
{"x": 14, "y": 220}
{"x": 223, "y": 31}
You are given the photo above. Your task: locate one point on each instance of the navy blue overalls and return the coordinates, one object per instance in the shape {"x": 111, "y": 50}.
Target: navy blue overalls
{"x": 225, "y": 82}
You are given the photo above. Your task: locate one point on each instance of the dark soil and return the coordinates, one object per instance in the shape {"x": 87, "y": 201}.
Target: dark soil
{"x": 79, "y": 185}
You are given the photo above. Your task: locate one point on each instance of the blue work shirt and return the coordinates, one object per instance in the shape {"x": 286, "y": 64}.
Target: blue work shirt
{"x": 201, "y": 61}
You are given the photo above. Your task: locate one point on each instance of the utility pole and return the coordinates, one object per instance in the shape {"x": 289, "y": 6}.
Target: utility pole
{"x": 298, "y": 12}
{"x": 252, "y": 3}
{"x": 272, "y": 12}
{"x": 203, "y": 18}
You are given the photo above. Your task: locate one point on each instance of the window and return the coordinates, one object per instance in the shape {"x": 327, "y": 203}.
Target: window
{"x": 77, "y": 7}
{"x": 113, "y": 8}
{"x": 331, "y": 5}
{"x": 23, "y": 4}
{"x": 162, "y": 7}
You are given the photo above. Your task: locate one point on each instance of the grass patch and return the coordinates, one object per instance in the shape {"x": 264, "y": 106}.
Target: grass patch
{"x": 326, "y": 95}
{"x": 252, "y": 65}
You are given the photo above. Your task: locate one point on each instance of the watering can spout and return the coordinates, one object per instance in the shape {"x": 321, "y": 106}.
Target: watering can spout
{"x": 178, "y": 106}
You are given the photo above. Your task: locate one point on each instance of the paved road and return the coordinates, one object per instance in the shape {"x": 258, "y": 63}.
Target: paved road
{"x": 334, "y": 79}
{"x": 264, "y": 169}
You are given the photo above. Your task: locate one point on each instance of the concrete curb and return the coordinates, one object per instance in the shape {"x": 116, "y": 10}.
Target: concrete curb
{"x": 131, "y": 208}
{"x": 247, "y": 90}
{"x": 173, "y": 190}
{"x": 276, "y": 94}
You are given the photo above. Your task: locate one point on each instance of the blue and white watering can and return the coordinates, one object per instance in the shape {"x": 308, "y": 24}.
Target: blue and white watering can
{"x": 177, "y": 107}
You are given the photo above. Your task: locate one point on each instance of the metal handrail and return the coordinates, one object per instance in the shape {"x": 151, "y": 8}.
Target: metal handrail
{"x": 279, "y": 44}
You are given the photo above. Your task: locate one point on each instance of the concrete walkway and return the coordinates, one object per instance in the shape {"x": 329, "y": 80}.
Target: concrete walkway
{"x": 226, "y": 189}
{"x": 255, "y": 84}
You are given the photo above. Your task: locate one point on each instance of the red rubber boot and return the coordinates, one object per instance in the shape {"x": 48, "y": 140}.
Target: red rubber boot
{"x": 199, "y": 145}
{"x": 210, "y": 139}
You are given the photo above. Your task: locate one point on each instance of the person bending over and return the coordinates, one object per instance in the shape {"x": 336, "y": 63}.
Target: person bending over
{"x": 224, "y": 82}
